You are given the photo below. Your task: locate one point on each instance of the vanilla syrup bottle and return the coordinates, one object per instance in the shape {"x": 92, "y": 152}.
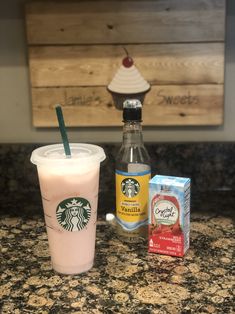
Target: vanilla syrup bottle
{"x": 132, "y": 176}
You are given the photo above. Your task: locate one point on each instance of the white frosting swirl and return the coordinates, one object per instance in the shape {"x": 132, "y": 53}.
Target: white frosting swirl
{"x": 128, "y": 81}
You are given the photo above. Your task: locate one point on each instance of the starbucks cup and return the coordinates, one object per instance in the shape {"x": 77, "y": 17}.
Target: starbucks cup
{"x": 69, "y": 190}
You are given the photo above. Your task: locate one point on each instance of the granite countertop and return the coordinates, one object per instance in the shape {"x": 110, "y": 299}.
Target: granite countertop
{"x": 125, "y": 278}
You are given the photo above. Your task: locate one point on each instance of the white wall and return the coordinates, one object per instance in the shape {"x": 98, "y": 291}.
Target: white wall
{"x": 15, "y": 107}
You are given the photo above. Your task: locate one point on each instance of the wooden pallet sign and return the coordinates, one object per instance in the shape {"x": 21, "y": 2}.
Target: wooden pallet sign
{"x": 75, "y": 48}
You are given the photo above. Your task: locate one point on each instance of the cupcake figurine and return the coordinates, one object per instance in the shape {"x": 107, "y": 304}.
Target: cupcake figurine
{"x": 128, "y": 83}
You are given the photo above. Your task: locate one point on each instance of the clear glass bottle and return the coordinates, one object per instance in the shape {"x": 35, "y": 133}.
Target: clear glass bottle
{"x": 132, "y": 175}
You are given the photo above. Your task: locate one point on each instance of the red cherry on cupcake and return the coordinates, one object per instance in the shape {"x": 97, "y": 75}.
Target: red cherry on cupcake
{"x": 127, "y": 62}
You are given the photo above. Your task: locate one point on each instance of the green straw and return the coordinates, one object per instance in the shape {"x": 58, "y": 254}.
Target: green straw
{"x": 63, "y": 131}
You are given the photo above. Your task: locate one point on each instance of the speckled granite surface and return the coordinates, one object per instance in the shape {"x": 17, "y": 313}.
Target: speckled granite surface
{"x": 125, "y": 278}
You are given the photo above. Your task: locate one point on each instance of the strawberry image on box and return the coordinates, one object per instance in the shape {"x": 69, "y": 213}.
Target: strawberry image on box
{"x": 169, "y": 215}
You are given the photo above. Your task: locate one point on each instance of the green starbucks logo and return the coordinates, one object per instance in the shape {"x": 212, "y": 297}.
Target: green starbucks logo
{"x": 73, "y": 214}
{"x": 130, "y": 187}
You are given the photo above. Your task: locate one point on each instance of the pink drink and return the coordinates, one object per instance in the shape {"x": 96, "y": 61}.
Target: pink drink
{"x": 69, "y": 189}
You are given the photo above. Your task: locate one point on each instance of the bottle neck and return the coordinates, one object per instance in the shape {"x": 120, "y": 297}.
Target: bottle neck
{"x": 132, "y": 133}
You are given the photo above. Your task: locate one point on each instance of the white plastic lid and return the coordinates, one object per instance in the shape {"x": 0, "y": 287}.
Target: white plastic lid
{"x": 54, "y": 154}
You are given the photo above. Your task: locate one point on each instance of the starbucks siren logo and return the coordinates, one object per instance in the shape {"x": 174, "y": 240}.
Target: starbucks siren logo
{"x": 130, "y": 187}
{"x": 73, "y": 213}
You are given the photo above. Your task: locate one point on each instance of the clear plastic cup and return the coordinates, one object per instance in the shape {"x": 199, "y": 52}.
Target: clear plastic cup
{"x": 69, "y": 190}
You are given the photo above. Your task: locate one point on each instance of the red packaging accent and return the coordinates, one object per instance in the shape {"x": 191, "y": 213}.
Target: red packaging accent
{"x": 169, "y": 211}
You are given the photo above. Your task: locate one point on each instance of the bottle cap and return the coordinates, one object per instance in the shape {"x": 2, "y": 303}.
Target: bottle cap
{"x": 132, "y": 110}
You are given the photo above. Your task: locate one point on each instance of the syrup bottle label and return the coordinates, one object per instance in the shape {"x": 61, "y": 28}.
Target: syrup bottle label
{"x": 132, "y": 198}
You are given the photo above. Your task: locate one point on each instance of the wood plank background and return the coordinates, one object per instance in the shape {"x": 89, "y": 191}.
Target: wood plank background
{"x": 165, "y": 105}
{"x": 75, "y": 48}
{"x": 109, "y": 22}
